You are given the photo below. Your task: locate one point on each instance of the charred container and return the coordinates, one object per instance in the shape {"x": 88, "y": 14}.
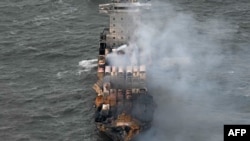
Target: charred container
{"x": 124, "y": 106}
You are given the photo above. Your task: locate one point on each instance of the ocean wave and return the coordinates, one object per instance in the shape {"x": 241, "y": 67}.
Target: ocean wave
{"x": 52, "y": 55}
{"x": 52, "y": 14}
{"x": 60, "y": 75}
{"x": 68, "y": 74}
{"x": 43, "y": 116}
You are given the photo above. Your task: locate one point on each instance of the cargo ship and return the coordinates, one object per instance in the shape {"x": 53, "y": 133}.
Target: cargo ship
{"x": 124, "y": 105}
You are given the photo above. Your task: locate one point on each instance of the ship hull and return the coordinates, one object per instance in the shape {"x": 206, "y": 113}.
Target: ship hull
{"x": 124, "y": 106}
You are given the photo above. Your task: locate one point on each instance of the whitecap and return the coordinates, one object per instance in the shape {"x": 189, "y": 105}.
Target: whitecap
{"x": 231, "y": 72}
{"x": 86, "y": 65}
{"x": 61, "y": 74}
{"x": 79, "y": 72}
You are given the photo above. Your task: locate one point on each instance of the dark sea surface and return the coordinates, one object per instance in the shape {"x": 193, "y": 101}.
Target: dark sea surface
{"x": 48, "y": 51}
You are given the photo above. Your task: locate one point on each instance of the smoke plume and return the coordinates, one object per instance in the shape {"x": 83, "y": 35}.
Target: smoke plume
{"x": 183, "y": 57}
{"x": 184, "y": 53}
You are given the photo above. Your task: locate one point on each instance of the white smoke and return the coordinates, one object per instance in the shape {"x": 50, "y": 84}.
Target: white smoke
{"x": 123, "y": 56}
{"x": 184, "y": 54}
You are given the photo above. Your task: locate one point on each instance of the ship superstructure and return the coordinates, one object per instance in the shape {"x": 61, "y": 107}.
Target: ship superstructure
{"x": 124, "y": 107}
